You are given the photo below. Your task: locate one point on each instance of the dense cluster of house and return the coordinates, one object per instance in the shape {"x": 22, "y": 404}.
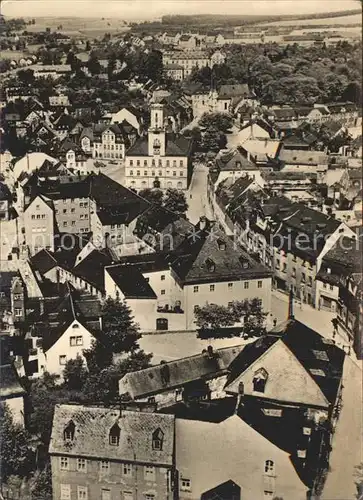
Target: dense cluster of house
{"x": 178, "y": 420}
{"x": 285, "y": 200}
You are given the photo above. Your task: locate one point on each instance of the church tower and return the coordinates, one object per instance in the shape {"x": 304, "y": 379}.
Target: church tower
{"x": 156, "y": 133}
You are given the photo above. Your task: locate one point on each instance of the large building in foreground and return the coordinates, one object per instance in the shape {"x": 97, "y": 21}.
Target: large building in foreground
{"x": 160, "y": 159}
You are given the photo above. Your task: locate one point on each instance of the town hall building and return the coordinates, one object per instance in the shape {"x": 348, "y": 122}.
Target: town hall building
{"x": 161, "y": 159}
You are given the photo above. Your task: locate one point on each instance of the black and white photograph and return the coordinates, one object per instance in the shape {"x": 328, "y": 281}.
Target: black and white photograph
{"x": 181, "y": 241}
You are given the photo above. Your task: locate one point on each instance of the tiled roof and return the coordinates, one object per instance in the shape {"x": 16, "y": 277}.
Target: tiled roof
{"x": 131, "y": 282}
{"x": 91, "y": 268}
{"x": 147, "y": 263}
{"x": 297, "y": 156}
{"x": 43, "y": 261}
{"x": 206, "y": 256}
{"x": 53, "y": 324}
{"x": 339, "y": 106}
{"x": 92, "y": 428}
{"x": 175, "y": 146}
{"x": 304, "y": 343}
{"x": 177, "y": 373}
{"x": 238, "y": 90}
{"x": 9, "y": 382}
{"x": 233, "y": 160}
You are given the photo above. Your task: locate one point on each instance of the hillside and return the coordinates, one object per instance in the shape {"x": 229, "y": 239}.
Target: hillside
{"x": 234, "y": 20}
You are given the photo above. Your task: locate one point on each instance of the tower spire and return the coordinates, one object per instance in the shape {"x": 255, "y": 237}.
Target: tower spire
{"x": 291, "y": 305}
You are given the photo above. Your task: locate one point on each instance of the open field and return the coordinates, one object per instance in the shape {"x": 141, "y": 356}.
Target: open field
{"x": 328, "y": 21}
{"x": 73, "y": 26}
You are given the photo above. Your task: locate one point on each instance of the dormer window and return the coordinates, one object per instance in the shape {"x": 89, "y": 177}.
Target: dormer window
{"x": 259, "y": 380}
{"x": 114, "y": 435}
{"x": 221, "y": 244}
{"x": 157, "y": 439}
{"x": 210, "y": 265}
{"x": 68, "y": 434}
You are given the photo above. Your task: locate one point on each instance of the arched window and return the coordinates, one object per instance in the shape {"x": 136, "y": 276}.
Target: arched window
{"x": 114, "y": 435}
{"x": 68, "y": 433}
{"x": 156, "y": 147}
{"x": 269, "y": 467}
{"x": 259, "y": 380}
{"x": 157, "y": 439}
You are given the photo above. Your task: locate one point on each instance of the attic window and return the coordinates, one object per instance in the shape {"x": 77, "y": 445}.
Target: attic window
{"x": 306, "y": 431}
{"x": 157, "y": 439}
{"x": 210, "y": 265}
{"x": 75, "y": 325}
{"x": 272, "y": 412}
{"x": 301, "y": 453}
{"x": 322, "y": 355}
{"x": 259, "y": 380}
{"x": 317, "y": 372}
{"x": 68, "y": 433}
{"x": 221, "y": 244}
{"x": 114, "y": 435}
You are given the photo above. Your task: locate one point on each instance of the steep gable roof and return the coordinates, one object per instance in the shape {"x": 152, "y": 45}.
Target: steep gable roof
{"x": 131, "y": 282}
{"x": 303, "y": 348}
{"x": 92, "y": 428}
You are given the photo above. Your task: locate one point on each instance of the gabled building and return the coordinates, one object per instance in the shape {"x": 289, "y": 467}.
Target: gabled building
{"x": 339, "y": 288}
{"x": 6, "y": 200}
{"x": 161, "y": 159}
{"x": 102, "y": 452}
{"x": 63, "y": 332}
{"x": 72, "y": 156}
{"x": 195, "y": 378}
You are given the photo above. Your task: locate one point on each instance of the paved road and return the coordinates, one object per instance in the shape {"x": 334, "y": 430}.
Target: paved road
{"x": 347, "y": 443}
{"x": 197, "y": 194}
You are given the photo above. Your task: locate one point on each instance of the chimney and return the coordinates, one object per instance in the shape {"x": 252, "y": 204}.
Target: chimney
{"x": 291, "y": 305}
{"x": 203, "y": 222}
{"x": 241, "y": 391}
{"x": 210, "y": 351}
{"x": 41, "y": 305}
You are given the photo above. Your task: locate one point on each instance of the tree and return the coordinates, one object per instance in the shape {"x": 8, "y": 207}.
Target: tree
{"x": 94, "y": 65}
{"x": 154, "y": 196}
{"x": 26, "y": 76}
{"x": 175, "y": 201}
{"x": 98, "y": 357}
{"x": 292, "y": 90}
{"x": 16, "y": 457}
{"x": 246, "y": 312}
{"x": 153, "y": 66}
{"x": 213, "y": 140}
{"x": 358, "y": 474}
{"x": 42, "y": 484}
{"x": 353, "y": 93}
{"x": 219, "y": 121}
{"x": 74, "y": 374}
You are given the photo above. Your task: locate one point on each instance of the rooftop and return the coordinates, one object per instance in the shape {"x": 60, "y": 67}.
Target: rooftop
{"x": 175, "y": 146}
{"x": 177, "y": 373}
{"x": 131, "y": 282}
{"x": 9, "y": 382}
{"x": 92, "y": 427}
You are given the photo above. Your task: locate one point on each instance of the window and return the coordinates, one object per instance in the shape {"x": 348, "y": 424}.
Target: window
{"x": 104, "y": 466}
{"x": 162, "y": 292}
{"x": 82, "y": 493}
{"x": 162, "y": 277}
{"x": 127, "y": 470}
{"x": 157, "y": 439}
{"x": 331, "y": 287}
{"x": 62, "y": 359}
{"x": 81, "y": 464}
{"x": 259, "y": 284}
{"x": 105, "y": 494}
{"x": 65, "y": 224}
{"x": 127, "y": 495}
{"x": 64, "y": 463}
{"x": 306, "y": 431}
{"x": 74, "y": 341}
{"x": 18, "y": 312}
{"x": 230, "y": 286}
{"x": 145, "y": 172}
{"x": 272, "y": 412}
{"x": 259, "y": 380}
{"x": 115, "y": 435}
{"x": 185, "y": 484}
{"x": 195, "y": 289}
{"x": 73, "y": 210}
{"x": 246, "y": 285}
{"x": 65, "y": 491}
{"x": 137, "y": 172}
{"x": 149, "y": 473}
{"x": 211, "y": 288}
{"x": 269, "y": 467}
{"x": 149, "y": 496}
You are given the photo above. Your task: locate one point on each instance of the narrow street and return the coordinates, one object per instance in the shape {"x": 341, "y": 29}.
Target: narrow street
{"x": 197, "y": 194}
{"x": 347, "y": 450}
